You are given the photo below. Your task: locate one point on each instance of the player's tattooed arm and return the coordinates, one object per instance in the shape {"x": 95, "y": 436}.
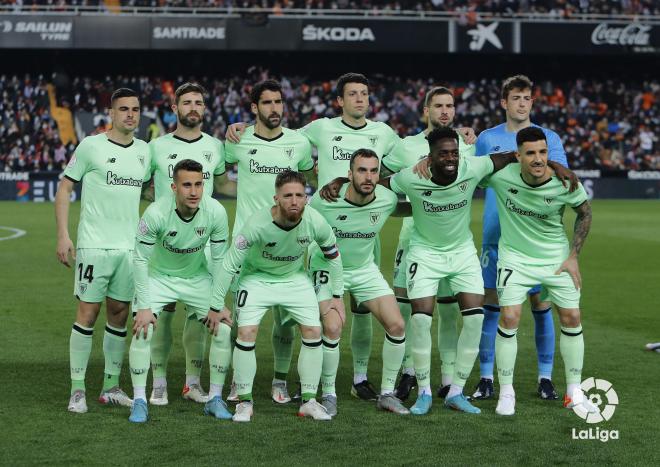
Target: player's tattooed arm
{"x": 564, "y": 174}
{"x": 148, "y": 190}
{"x": 502, "y": 159}
{"x": 311, "y": 177}
{"x": 330, "y": 192}
{"x": 223, "y": 185}
{"x": 582, "y": 227}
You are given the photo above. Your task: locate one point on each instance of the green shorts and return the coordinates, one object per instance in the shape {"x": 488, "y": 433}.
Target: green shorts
{"x": 425, "y": 268}
{"x": 194, "y": 292}
{"x": 295, "y": 299}
{"x": 515, "y": 280}
{"x": 363, "y": 284}
{"x": 399, "y": 279}
{"x": 103, "y": 273}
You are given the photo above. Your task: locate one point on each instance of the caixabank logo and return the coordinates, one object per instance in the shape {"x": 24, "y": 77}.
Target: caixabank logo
{"x": 598, "y": 403}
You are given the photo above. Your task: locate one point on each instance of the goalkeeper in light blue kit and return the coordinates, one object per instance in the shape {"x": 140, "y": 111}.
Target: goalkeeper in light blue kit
{"x": 517, "y": 102}
{"x": 170, "y": 265}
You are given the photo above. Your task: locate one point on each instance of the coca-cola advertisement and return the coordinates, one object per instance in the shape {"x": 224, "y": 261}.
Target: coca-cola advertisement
{"x": 590, "y": 38}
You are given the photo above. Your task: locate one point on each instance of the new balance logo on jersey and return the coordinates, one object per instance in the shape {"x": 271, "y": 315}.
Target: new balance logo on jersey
{"x": 427, "y": 193}
{"x": 463, "y": 186}
{"x": 172, "y": 233}
{"x": 336, "y": 138}
{"x": 513, "y": 191}
{"x": 252, "y": 152}
{"x": 172, "y": 156}
{"x": 271, "y": 244}
{"x": 341, "y": 217}
{"x": 207, "y": 155}
{"x": 112, "y": 160}
{"x": 200, "y": 231}
{"x": 496, "y": 149}
{"x": 338, "y": 154}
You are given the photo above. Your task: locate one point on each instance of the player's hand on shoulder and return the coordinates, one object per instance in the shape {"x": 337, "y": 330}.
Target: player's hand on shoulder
{"x": 143, "y": 318}
{"x": 330, "y": 192}
{"x": 337, "y": 304}
{"x": 571, "y": 266}
{"x": 64, "y": 248}
{"x": 468, "y": 135}
{"x": 423, "y": 168}
{"x": 234, "y": 132}
{"x": 566, "y": 175}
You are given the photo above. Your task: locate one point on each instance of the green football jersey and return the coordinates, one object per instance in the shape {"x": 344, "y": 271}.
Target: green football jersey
{"x": 441, "y": 214}
{"x": 259, "y": 161}
{"x": 179, "y": 243}
{"x": 356, "y": 227}
{"x": 531, "y": 217}
{"x": 269, "y": 252}
{"x": 112, "y": 175}
{"x": 409, "y": 153}
{"x": 169, "y": 149}
{"x": 335, "y": 141}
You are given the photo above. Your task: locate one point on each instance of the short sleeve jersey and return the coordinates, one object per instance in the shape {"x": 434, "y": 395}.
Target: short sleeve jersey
{"x": 179, "y": 243}
{"x": 441, "y": 214}
{"x": 276, "y": 253}
{"x": 498, "y": 139}
{"x": 355, "y": 226}
{"x": 112, "y": 175}
{"x": 409, "y": 153}
{"x": 169, "y": 149}
{"x": 335, "y": 141}
{"x": 531, "y": 217}
{"x": 260, "y": 160}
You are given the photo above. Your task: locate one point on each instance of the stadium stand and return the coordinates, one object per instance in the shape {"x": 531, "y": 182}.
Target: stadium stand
{"x": 554, "y": 8}
{"x": 608, "y": 125}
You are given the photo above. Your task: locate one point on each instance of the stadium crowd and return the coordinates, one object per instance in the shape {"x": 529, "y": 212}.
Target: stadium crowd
{"x": 554, "y": 8}
{"x": 608, "y": 125}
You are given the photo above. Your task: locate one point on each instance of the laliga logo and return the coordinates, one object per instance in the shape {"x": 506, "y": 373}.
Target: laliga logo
{"x": 605, "y": 406}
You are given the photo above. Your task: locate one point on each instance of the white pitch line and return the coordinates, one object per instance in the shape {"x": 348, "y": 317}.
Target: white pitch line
{"x": 16, "y": 233}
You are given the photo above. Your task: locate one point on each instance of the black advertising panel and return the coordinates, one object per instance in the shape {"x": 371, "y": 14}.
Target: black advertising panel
{"x": 266, "y": 34}
{"x": 36, "y": 31}
{"x": 112, "y": 32}
{"x": 188, "y": 33}
{"x": 590, "y": 38}
{"x": 374, "y": 36}
{"x": 486, "y": 37}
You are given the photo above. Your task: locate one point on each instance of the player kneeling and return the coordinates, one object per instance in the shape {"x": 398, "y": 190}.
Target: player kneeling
{"x": 533, "y": 249}
{"x": 269, "y": 252}
{"x": 357, "y": 218}
{"x": 170, "y": 266}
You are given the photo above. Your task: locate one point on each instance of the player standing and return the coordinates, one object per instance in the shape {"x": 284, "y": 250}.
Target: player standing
{"x": 533, "y": 249}
{"x": 269, "y": 252}
{"x": 439, "y": 111}
{"x": 170, "y": 265}
{"x": 357, "y": 218}
{"x": 112, "y": 167}
{"x": 517, "y": 102}
{"x": 186, "y": 142}
{"x": 265, "y": 150}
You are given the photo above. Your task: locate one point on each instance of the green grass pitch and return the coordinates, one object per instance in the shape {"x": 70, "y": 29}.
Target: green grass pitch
{"x": 619, "y": 264}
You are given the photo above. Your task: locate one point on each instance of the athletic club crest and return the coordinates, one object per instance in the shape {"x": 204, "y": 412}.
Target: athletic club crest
{"x": 83, "y": 287}
{"x": 303, "y": 241}
{"x": 373, "y": 140}
{"x": 200, "y": 231}
{"x": 463, "y": 187}
{"x": 547, "y": 200}
{"x": 289, "y": 153}
{"x": 374, "y": 217}
{"x": 141, "y": 160}
{"x": 207, "y": 155}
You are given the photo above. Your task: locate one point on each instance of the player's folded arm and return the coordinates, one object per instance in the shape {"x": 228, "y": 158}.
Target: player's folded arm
{"x": 502, "y": 159}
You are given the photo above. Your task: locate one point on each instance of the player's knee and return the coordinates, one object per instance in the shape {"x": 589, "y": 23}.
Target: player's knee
{"x": 509, "y": 319}
{"x": 332, "y": 328}
{"x": 310, "y": 332}
{"x": 247, "y": 333}
{"x": 396, "y": 328}
{"x": 223, "y": 335}
{"x": 87, "y": 313}
{"x": 569, "y": 317}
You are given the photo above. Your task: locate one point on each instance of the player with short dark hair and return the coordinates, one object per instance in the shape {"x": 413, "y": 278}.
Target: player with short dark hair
{"x": 112, "y": 167}
{"x": 533, "y": 249}
{"x": 170, "y": 265}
